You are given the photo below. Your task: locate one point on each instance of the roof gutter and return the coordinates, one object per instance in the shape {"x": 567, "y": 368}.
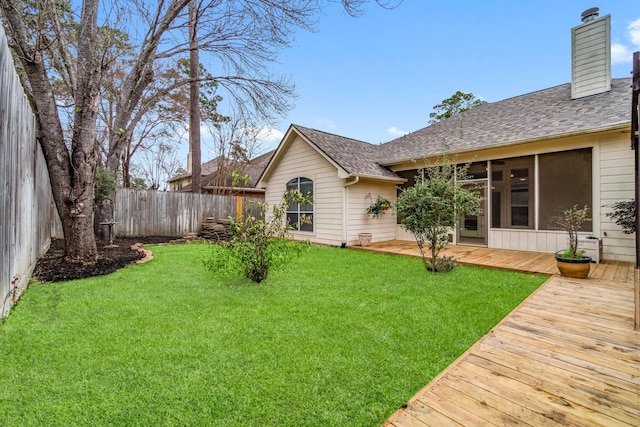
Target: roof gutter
{"x": 235, "y": 189}
{"x": 379, "y": 178}
{"x": 355, "y": 181}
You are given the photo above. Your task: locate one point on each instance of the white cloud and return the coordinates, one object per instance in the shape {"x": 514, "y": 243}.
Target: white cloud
{"x": 634, "y": 32}
{"x": 396, "y": 132}
{"x": 621, "y": 53}
{"x": 269, "y": 136}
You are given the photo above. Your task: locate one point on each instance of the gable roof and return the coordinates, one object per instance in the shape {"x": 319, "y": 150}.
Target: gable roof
{"x": 545, "y": 114}
{"x": 351, "y": 157}
{"x": 357, "y": 158}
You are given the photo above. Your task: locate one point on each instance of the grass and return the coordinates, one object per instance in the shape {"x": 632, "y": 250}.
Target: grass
{"x": 343, "y": 337}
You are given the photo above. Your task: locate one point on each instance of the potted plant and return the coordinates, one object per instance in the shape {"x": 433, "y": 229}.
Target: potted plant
{"x": 377, "y": 208}
{"x": 571, "y": 261}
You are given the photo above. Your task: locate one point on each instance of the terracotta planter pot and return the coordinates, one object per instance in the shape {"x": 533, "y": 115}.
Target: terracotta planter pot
{"x": 577, "y": 268}
{"x": 365, "y": 239}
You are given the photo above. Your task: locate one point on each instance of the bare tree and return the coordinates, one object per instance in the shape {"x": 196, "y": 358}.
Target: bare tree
{"x": 55, "y": 51}
{"x": 156, "y": 165}
{"x": 160, "y": 116}
{"x": 235, "y": 144}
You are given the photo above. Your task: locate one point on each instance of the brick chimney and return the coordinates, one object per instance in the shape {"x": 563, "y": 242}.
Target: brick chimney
{"x": 591, "y": 55}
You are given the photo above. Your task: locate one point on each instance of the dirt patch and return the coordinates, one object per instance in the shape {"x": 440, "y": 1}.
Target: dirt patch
{"x": 52, "y": 267}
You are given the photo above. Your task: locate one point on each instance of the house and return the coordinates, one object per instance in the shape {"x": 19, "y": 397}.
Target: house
{"x": 177, "y": 183}
{"x": 532, "y": 156}
{"x": 217, "y": 176}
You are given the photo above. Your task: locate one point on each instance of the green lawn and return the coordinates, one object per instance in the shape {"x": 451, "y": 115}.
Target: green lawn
{"x": 343, "y": 338}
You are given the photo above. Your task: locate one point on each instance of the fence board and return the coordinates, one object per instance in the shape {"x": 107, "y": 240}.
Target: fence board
{"x": 25, "y": 191}
{"x": 142, "y": 213}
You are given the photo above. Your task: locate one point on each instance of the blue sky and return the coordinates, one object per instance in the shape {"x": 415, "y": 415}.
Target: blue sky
{"x": 378, "y": 76}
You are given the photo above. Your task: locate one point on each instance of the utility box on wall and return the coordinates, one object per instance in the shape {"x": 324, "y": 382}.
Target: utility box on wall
{"x": 592, "y": 247}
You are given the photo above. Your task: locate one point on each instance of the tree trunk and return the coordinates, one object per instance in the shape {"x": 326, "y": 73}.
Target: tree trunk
{"x": 84, "y": 156}
{"x": 72, "y": 176}
{"x": 194, "y": 102}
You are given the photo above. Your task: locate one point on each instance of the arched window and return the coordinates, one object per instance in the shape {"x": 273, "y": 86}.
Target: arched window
{"x": 300, "y": 216}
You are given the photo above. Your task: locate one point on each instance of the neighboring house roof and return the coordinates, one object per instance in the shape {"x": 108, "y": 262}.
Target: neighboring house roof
{"x": 256, "y": 166}
{"x": 205, "y": 169}
{"x": 253, "y": 168}
{"x": 545, "y": 114}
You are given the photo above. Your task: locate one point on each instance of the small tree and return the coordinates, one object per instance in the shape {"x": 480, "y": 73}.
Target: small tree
{"x": 571, "y": 221}
{"x": 258, "y": 244}
{"x": 432, "y": 207}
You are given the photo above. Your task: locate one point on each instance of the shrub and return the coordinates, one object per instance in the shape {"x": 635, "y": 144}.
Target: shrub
{"x": 433, "y": 206}
{"x": 624, "y": 214}
{"x": 258, "y": 244}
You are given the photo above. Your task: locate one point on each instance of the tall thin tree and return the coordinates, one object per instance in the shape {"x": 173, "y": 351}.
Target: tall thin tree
{"x": 194, "y": 100}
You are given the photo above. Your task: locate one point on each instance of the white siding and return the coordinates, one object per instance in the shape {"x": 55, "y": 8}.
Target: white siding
{"x": 616, "y": 184}
{"x": 613, "y": 180}
{"x": 301, "y": 160}
{"x": 591, "y": 58}
{"x": 529, "y": 240}
{"x": 360, "y": 196}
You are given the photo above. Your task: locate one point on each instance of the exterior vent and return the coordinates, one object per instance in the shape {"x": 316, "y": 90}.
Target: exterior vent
{"x": 590, "y": 14}
{"x": 591, "y": 55}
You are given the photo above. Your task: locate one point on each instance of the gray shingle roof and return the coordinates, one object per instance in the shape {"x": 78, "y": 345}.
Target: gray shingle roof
{"x": 545, "y": 114}
{"x": 355, "y": 157}
{"x": 548, "y": 113}
{"x": 206, "y": 168}
{"x": 253, "y": 168}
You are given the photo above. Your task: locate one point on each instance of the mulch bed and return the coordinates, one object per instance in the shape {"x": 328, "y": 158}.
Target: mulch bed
{"x": 52, "y": 267}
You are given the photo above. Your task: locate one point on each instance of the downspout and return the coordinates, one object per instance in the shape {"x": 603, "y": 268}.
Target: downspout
{"x": 345, "y": 219}
{"x": 635, "y": 144}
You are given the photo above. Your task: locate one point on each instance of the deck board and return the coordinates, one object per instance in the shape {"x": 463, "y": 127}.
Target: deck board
{"x": 567, "y": 356}
{"x": 513, "y": 260}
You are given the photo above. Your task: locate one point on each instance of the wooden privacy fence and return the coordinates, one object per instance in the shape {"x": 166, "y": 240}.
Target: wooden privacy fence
{"x": 166, "y": 213}
{"x": 26, "y": 207}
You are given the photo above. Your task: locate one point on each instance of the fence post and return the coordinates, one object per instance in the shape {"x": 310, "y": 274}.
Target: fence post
{"x": 239, "y": 207}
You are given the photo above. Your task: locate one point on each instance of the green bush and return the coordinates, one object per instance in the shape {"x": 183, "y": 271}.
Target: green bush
{"x": 624, "y": 214}
{"x": 432, "y": 207}
{"x": 258, "y": 244}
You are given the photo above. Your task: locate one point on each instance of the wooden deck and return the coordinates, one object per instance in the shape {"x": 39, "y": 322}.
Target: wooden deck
{"x": 567, "y": 356}
{"x": 528, "y": 262}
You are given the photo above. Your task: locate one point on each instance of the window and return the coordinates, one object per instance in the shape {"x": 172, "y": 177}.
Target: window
{"x": 565, "y": 180}
{"x": 300, "y": 216}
